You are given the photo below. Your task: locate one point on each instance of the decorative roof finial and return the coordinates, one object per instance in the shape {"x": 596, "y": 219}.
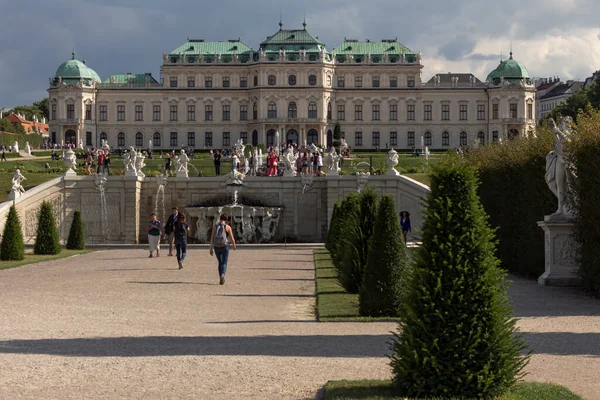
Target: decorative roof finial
{"x": 304, "y": 23}
{"x": 280, "y": 20}
{"x": 510, "y": 50}
{"x": 73, "y": 55}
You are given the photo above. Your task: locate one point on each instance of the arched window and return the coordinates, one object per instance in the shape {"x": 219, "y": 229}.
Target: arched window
{"x": 292, "y": 110}
{"x": 254, "y": 111}
{"x": 121, "y": 139}
{"x": 270, "y": 137}
{"x": 292, "y": 80}
{"x": 312, "y": 80}
{"x": 312, "y": 110}
{"x": 312, "y": 136}
{"x": 427, "y": 138}
{"x": 481, "y": 137}
{"x": 328, "y": 80}
{"x": 103, "y": 136}
{"x": 272, "y": 110}
{"x": 272, "y": 80}
{"x": 329, "y": 111}
{"x": 445, "y": 139}
{"x": 156, "y": 139}
{"x": 463, "y": 139}
{"x": 139, "y": 139}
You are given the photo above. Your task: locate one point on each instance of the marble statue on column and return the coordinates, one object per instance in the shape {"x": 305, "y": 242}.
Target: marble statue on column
{"x": 392, "y": 161}
{"x": 182, "y": 164}
{"x": 290, "y": 162}
{"x": 17, "y": 188}
{"x": 559, "y": 171}
{"x": 16, "y": 146}
{"x": 80, "y": 144}
{"x": 27, "y": 148}
{"x": 130, "y": 162}
{"x": 333, "y": 160}
{"x": 140, "y": 164}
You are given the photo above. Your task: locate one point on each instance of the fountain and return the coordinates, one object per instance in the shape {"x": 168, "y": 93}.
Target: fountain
{"x": 161, "y": 182}
{"x": 307, "y": 181}
{"x": 250, "y": 224}
{"x": 100, "y": 183}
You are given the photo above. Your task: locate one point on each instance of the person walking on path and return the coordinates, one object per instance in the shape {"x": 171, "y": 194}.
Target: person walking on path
{"x": 154, "y": 232}
{"x": 100, "y": 162}
{"x": 168, "y": 164}
{"x": 3, "y": 154}
{"x": 405, "y": 224}
{"x": 219, "y": 241}
{"x": 169, "y": 229}
{"x": 180, "y": 230}
{"x": 106, "y": 166}
{"x": 217, "y": 162}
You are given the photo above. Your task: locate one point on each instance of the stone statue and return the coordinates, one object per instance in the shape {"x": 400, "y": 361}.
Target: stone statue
{"x": 150, "y": 144}
{"x": 392, "y": 161}
{"x": 332, "y": 160}
{"x": 260, "y": 158}
{"x": 559, "y": 171}
{"x": 130, "y": 162}
{"x": 290, "y": 162}
{"x": 234, "y": 161}
{"x": 17, "y": 189}
{"x": 140, "y": 164}
{"x": 104, "y": 145}
{"x": 343, "y": 145}
{"x": 80, "y": 144}
{"x": 182, "y": 164}
{"x": 27, "y": 148}
{"x": 16, "y": 146}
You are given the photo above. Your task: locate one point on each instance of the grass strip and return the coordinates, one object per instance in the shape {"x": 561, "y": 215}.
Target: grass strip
{"x": 34, "y": 259}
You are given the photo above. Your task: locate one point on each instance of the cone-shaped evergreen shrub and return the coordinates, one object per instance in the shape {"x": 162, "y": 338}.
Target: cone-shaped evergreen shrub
{"x": 348, "y": 224}
{"x": 387, "y": 270}
{"x": 47, "y": 240}
{"x": 457, "y": 336}
{"x": 357, "y": 234}
{"x": 76, "y": 239}
{"x": 12, "y": 246}
{"x": 329, "y": 240}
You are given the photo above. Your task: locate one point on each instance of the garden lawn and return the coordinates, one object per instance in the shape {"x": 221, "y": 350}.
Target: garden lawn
{"x": 381, "y": 390}
{"x": 34, "y": 259}
{"x": 333, "y": 302}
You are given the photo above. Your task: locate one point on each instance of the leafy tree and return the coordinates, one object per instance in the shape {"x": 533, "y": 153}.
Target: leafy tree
{"x": 12, "y": 246}
{"x": 19, "y": 129}
{"x": 457, "y": 336}
{"x": 387, "y": 270}
{"x": 6, "y": 126}
{"x": 47, "y": 240}
{"x": 76, "y": 239}
{"x": 337, "y": 135}
{"x": 43, "y": 107}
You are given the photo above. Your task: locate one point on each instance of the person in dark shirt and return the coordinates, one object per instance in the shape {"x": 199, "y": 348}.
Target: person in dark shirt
{"x": 180, "y": 229}
{"x": 405, "y": 224}
{"x": 168, "y": 164}
{"x": 217, "y": 161}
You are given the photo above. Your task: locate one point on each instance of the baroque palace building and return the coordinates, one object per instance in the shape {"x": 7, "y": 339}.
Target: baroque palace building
{"x": 213, "y": 93}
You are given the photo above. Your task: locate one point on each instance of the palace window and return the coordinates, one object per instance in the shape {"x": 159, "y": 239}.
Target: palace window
{"x": 88, "y": 112}
{"x": 292, "y": 80}
{"x": 328, "y": 80}
{"x": 329, "y": 111}
{"x": 494, "y": 136}
{"x": 88, "y": 139}
{"x": 173, "y": 139}
{"x": 427, "y": 112}
{"x": 156, "y": 113}
{"x": 481, "y": 137}
{"x": 103, "y": 113}
{"x": 103, "y": 136}
{"x": 272, "y": 80}
{"x": 312, "y": 80}
{"x": 358, "y": 139}
{"x": 208, "y": 139}
{"x": 139, "y": 113}
{"x": 208, "y": 115}
{"x": 393, "y": 112}
{"x": 70, "y": 111}
{"x": 226, "y": 139}
{"x": 173, "y": 113}
{"x": 120, "y": 112}
{"x": 191, "y": 112}
{"x": 394, "y": 139}
{"x": 272, "y": 110}
{"x": 340, "y": 81}
{"x": 53, "y": 115}
{"x": 256, "y": 81}
{"x": 192, "y": 139}
{"x": 375, "y": 112}
{"x": 208, "y": 81}
{"x": 292, "y": 110}
{"x": 358, "y": 112}
{"x": 463, "y": 138}
{"x": 410, "y": 81}
{"x": 243, "y": 81}
{"x": 410, "y": 112}
{"x": 173, "y": 81}
{"x": 156, "y": 139}
{"x": 139, "y": 139}
{"x": 191, "y": 81}
{"x": 341, "y": 112}
{"x": 254, "y": 111}
{"x": 358, "y": 81}
{"x": 410, "y": 139}
{"x": 462, "y": 109}
{"x": 375, "y": 81}
{"x": 226, "y": 112}
{"x": 244, "y": 137}
{"x": 480, "y": 112}
{"x": 393, "y": 81}
{"x": 427, "y": 139}
{"x": 312, "y": 110}
{"x": 495, "y": 111}
{"x": 530, "y": 111}
{"x": 513, "y": 110}
{"x": 226, "y": 81}
{"x": 445, "y": 139}
{"x": 243, "y": 112}
{"x": 445, "y": 112}
{"x": 121, "y": 139}
{"x": 375, "y": 139}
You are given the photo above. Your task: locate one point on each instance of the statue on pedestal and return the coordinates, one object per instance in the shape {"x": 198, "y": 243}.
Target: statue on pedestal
{"x": 130, "y": 162}
{"x": 290, "y": 162}
{"x": 80, "y": 144}
{"x": 392, "y": 161}
{"x": 27, "y": 148}
{"x": 17, "y": 189}
{"x": 332, "y": 160}
{"x": 16, "y": 146}
{"x": 181, "y": 166}
{"x": 559, "y": 171}
{"x": 140, "y": 164}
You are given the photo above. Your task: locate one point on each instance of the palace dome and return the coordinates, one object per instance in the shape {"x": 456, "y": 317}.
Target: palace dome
{"x": 75, "y": 70}
{"x": 510, "y": 70}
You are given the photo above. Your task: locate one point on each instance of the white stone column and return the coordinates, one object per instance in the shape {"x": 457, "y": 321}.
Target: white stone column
{"x": 561, "y": 254}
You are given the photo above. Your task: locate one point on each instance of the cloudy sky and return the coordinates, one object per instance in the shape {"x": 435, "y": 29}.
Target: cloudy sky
{"x": 551, "y": 37}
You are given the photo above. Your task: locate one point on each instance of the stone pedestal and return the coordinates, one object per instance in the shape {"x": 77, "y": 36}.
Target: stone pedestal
{"x": 14, "y": 195}
{"x": 561, "y": 253}
{"x": 182, "y": 174}
{"x": 70, "y": 172}
{"x": 393, "y": 172}
{"x": 131, "y": 172}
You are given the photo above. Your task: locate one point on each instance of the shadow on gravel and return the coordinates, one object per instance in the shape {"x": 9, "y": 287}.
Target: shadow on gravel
{"x": 266, "y": 295}
{"x": 564, "y": 343}
{"x": 289, "y": 279}
{"x": 266, "y": 321}
{"x": 174, "y": 283}
{"x": 345, "y": 346}
{"x": 282, "y": 269}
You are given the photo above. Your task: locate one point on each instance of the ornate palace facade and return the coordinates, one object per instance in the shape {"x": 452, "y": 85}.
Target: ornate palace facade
{"x": 213, "y": 93}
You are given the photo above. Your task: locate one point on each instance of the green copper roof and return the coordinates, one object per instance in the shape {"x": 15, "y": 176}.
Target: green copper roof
{"x": 391, "y": 48}
{"x": 130, "y": 78}
{"x": 199, "y": 46}
{"x": 75, "y": 70}
{"x": 508, "y": 69}
{"x": 292, "y": 37}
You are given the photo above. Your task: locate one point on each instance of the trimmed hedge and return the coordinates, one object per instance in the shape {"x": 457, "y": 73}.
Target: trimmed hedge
{"x": 76, "y": 239}
{"x": 515, "y": 195}
{"x": 47, "y": 240}
{"x": 456, "y": 335}
{"x": 12, "y": 247}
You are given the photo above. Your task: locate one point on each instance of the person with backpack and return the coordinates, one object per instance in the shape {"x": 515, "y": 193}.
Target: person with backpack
{"x": 219, "y": 242}
{"x": 180, "y": 230}
{"x": 169, "y": 232}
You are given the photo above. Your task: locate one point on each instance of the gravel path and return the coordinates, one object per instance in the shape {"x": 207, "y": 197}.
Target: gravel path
{"x": 114, "y": 324}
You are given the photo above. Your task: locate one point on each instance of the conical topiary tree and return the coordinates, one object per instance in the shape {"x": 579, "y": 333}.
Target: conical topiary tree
{"x": 457, "y": 337}
{"x": 12, "y": 246}
{"x": 47, "y": 240}
{"x": 387, "y": 270}
{"x": 347, "y": 222}
{"x": 76, "y": 239}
